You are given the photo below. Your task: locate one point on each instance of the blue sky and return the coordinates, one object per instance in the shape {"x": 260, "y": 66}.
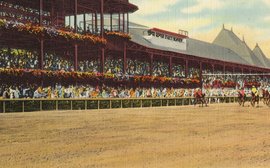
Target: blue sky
{"x": 204, "y": 18}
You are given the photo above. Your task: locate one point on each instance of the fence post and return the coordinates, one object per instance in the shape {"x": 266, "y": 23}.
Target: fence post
{"x": 40, "y": 105}
{"x": 161, "y": 103}
{"x": 22, "y": 106}
{"x": 175, "y": 102}
{"x": 141, "y": 103}
{"x": 4, "y": 106}
{"x": 121, "y": 102}
{"x": 189, "y": 101}
{"x": 85, "y": 104}
{"x": 110, "y": 104}
{"x": 167, "y": 102}
{"x": 56, "y": 105}
{"x": 98, "y": 104}
{"x": 71, "y": 105}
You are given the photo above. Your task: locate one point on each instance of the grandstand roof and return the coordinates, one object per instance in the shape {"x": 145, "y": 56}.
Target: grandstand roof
{"x": 261, "y": 56}
{"x": 84, "y": 6}
{"x": 228, "y": 39}
{"x": 194, "y": 47}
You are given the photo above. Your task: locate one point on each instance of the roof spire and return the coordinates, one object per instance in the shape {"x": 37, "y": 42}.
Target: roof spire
{"x": 223, "y": 26}
{"x": 231, "y": 29}
{"x": 243, "y": 38}
{"x": 257, "y": 45}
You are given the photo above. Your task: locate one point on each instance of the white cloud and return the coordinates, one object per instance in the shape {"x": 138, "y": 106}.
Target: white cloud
{"x": 148, "y": 7}
{"x": 202, "y": 5}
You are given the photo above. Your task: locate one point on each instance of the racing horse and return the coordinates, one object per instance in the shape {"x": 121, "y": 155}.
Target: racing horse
{"x": 266, "y": 97}
{"x": 241, "y": 98}
{"x": 200, "y": 99}
{"x": 255, "y": 98}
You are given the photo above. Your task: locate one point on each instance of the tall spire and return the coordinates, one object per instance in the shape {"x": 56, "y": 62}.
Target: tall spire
{"x": 257, "y": 45}
{"x": 243, "y": 38}
{"x": 223, "y": 27}
{"x": 231, "y": 29}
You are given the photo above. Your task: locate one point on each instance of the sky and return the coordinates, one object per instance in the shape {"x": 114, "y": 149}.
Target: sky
{"x": 204, "y": 19}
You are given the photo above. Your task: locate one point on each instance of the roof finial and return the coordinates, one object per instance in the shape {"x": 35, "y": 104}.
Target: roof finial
{"x": 257, "y": 45}
{"x": 243, "y": 38}
{"x": 231, "y": 29}
{"x": 223, "y": 26}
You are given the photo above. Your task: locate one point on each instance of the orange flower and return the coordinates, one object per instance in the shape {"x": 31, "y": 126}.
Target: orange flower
{"x": 118, "y": 34}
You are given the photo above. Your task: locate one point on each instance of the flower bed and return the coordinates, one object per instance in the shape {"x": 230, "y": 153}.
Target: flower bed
{"x": 85, "y": 77}
{"x": 50, "y": 32}
{"x": 118, "y": 34}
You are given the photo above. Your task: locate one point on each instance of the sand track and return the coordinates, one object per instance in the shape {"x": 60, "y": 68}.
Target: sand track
{"x": 217, "y": 136}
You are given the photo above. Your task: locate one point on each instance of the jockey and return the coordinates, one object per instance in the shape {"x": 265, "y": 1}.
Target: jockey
{"x": 199, "y": 92}
{"x": 242, "y": 91}
{"x": 254, "y": 91}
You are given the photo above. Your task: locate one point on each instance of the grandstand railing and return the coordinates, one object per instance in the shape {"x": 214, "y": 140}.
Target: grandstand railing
{"x": 30, "y": 105}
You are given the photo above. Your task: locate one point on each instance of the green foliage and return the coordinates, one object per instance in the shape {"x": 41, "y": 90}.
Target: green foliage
{"x": 31, "y": 106}
{"x": 92, "y": 104}
{"x": 48, "y": 105}
{"x": 64, "y": 105}
{"x": 104, "y": 104}
{"x": 116, "y": 104}
{"x": 13, "y": 106}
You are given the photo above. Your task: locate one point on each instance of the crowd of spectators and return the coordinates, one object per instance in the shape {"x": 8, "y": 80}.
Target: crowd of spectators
{"x": 113, "y": 65}
{"x": 209, "y": 80}
{"x": 178, "y": 71}
{"x": 89, "y": 65}
{"x": 57, "y": 63}
{"x": 87, "y": 91}
{"x": 193, "y": 72}
{"x": 13, "y": 58}
{"x": 138, "y": 67}
{"x": 23, "y": 59}
{"x": 21, "y": 13}
{"x": 228, "y": 76}
{"x": 160, "y": 68}
{"x": 218, "y": 79}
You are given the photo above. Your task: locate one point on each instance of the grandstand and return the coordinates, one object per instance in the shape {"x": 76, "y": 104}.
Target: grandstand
{"x": 90, "y": 49}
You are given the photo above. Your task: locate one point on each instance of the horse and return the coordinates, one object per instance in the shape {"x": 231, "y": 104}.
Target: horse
{"x": 241, "y": 98}
{"x": 266, "y": 97}
{"x": 255, "y": 98}
{"x": 200, "y": 98}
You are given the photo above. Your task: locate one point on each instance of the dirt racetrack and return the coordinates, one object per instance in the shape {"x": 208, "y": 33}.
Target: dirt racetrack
{"x": 219, "y": 136}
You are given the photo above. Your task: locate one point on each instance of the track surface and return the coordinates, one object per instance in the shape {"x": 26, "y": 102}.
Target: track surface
{"x": 222, "y": 135}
